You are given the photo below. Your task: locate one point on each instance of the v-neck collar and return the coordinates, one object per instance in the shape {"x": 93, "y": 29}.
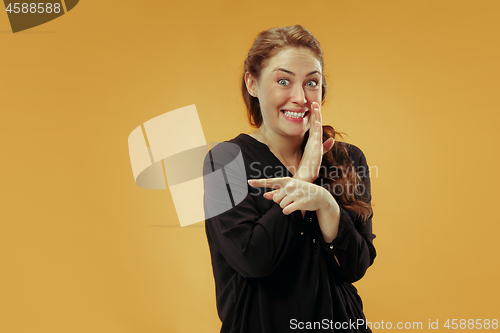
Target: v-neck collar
{"x": 265, "y": 149}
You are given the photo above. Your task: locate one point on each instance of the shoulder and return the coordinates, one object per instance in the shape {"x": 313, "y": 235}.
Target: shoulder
{"x": 356, "y": 154}
{"x": 222, "y": 153}
{"x": 353, "y": 150}
{"x": 358, "y": 159}
{"x": 231, "y": 148}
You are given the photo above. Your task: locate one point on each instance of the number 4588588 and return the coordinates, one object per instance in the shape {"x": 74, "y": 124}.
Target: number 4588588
{"x": 33, "y": 8}
{"x": 471, "y": 324}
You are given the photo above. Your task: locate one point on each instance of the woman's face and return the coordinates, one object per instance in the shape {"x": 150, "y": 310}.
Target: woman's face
{"x": 287, "y": 86}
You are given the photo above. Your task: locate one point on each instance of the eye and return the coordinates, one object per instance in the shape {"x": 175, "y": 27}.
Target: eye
{"x": 312, "y": 83}
{"x": 283, "y": 82}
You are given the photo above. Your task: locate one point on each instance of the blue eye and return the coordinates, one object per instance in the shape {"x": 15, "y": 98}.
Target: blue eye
{"x": 312, "y": 83}
{"x": 283, "y": 82}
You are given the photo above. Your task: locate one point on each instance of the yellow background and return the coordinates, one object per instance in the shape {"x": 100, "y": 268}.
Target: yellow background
{"x": 415, "y": 85}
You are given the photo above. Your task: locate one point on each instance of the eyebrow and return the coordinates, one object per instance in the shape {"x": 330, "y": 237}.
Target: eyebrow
{"x": 292, "y": 73}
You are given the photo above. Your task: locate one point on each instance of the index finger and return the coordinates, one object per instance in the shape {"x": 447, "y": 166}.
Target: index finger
{"x": 316, "y": 120}
{"x": 315, "y": 105}
{"x": 267, "y": 182}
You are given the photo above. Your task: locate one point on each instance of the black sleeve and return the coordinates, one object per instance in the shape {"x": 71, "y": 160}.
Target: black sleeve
{"x": 353, "y": 246}
{"x": 252, "y": 241}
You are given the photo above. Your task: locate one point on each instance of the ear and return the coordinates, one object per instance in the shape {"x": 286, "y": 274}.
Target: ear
{"x": 251, "y": 83}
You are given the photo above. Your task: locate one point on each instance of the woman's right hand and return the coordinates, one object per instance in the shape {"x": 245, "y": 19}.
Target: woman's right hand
{"x": 293, "y": 194}
{"x": 310, "y": 163}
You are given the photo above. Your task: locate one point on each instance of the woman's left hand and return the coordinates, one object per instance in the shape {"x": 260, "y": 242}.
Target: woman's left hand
{"x": 293, "y": 194}
{"x": 315, "y": 147}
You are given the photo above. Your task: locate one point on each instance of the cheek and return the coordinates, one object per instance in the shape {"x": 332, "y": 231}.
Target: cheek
{"x": 276, "y": 96}
{"x": 314, "y": 96}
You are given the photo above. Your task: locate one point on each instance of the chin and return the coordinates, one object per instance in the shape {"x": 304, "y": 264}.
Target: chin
{"x": 296, "y": 133}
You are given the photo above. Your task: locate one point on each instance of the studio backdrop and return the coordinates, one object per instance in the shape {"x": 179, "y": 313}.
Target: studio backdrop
{"x": 84, "y": 248}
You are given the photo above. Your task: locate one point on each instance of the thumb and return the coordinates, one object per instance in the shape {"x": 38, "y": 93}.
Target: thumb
{"x": 327, "y": 145}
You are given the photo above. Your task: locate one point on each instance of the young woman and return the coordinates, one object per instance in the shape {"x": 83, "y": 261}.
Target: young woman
{"x": 285, "y": 257}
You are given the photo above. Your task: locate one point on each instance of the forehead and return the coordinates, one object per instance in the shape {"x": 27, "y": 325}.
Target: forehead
{"x": 295, "y": 59}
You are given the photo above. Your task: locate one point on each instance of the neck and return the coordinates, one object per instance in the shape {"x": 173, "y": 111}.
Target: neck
{"x": 286, "y": 149}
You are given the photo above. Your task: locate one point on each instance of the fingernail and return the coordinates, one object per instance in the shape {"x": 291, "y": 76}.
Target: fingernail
{"x": 250, "y": 182}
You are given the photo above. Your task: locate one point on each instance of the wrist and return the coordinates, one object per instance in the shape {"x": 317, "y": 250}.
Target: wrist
{"x": 328, "y": 202}
{"x": 303, "y": 178}
{"x": 329, "y": 217}
{"x": 304, "y": 173}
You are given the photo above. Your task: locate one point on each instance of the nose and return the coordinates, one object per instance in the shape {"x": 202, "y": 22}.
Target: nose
{"x": 298, "y": 95}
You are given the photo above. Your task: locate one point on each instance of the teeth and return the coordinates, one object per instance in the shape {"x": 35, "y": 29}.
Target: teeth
{"x": 294, "y": 114}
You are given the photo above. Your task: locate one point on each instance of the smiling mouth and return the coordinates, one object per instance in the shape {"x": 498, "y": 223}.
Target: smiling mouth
{"x": 296, "y": 115}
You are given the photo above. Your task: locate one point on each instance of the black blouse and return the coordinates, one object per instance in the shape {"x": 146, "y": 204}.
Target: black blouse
{"x": 275, "y": 273}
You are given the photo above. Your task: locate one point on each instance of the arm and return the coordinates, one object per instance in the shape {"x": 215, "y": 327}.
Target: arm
{"x": 329, "y": 218}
